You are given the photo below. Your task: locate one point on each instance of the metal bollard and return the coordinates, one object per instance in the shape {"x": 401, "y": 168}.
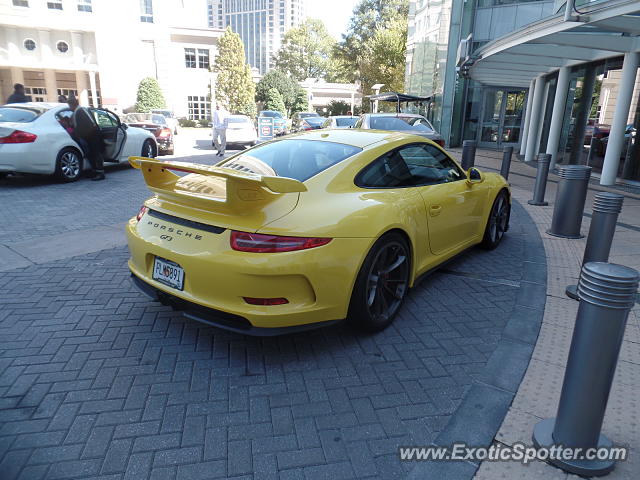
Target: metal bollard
{"x": 544, "y": 159}
{"x": 506, "y": 162}
{"x": 606, "y": 207}
{"x": 607, "y": 293}
{"x": 468, "y": 154}
{"x": 570, "y": 198}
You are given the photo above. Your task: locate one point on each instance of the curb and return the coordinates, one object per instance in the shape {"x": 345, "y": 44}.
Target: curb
{"x": 482, "y": 410}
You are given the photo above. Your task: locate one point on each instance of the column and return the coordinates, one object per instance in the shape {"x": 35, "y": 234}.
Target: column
{"x": 557, "y": 116}
{"x": 51, "y": 85}
{"x": 620, "y": 115}
{"x": 94, "y": 91}
{"x": 536, "y": 118}
{"x": 588, "y": 84}
{"x": 82, "y": 87}
{"x": 527, "y": 118}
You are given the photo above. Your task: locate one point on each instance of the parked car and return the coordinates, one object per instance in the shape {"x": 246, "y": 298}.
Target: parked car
{"x": 241, "y": 132}
{"x": 309, "y": 229}
{"x": 340, "y": 121}
{"x": 34, "y": 139}
{"x": 400, "y": 122}
{"x": 629, "y": 139}
{"x": 310, "y": 123}
{"x": 172, "y": 120}
{"x": 156, "y": 124}
{"x": 298, "y": 118}
{"x": 279, "y": 121}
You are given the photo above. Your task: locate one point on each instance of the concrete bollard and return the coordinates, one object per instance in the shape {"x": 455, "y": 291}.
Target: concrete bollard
{"x": 606, "y": 207}
{"x": 570, "y": 198}
{"x": 507, "y": 152}
{"x": 607, "y": 293}
{"x": 544, "y": 159}
{"x": 468, "y": 154}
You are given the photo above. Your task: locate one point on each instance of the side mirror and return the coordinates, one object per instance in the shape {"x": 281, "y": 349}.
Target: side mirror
{"x": 125, "y": 126}
{"x": 474, "y": 176}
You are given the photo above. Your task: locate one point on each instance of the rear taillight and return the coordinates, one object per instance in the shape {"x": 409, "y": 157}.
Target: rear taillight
{"x": 141, "y": 213}
{"x": 164, "y": 133}
{"x": 265, "y": 301}
{"x": 18, "y": 136}
{"x": 259, "y": 243}
{"x": 440, "y": 142}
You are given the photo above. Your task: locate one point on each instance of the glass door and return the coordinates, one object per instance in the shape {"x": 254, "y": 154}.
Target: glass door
{"x": 501, "y": 118}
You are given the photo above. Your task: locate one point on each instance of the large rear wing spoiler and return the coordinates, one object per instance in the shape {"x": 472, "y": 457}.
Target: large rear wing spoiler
{"x": 241, "y": 187}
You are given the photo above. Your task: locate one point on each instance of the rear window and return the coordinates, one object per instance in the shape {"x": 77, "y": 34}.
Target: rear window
{"x": 400, "y": 124}
{"x": 294, "y": 158}
{"x": 17, "y": 114}
{"x": 268, "y": 113}
{"x": 346, "y": 122}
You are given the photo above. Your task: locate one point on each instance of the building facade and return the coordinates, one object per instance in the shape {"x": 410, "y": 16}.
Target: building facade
{"x": 260, "y": 23}
{"x": 535, "y": 75}
{"x": 99, "y": 50}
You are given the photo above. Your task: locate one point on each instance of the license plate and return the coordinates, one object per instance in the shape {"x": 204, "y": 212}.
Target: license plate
{"x": 168, "y": 272}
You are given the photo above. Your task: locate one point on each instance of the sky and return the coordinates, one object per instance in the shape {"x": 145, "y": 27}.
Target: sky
{"x": 334, "y": 13}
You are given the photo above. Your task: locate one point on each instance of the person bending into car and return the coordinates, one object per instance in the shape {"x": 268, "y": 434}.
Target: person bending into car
{"x": 86, "y": 129}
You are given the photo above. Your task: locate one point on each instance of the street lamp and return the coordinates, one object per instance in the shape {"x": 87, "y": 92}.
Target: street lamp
{"x": 376, "y": 89}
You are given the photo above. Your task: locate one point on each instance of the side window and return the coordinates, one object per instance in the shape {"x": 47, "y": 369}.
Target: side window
{"x": 410, "y": 166}
{"x": 105, "y": 119}
{"x": 429, "y": 165}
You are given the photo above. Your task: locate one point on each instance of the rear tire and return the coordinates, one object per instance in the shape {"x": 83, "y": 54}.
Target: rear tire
{"x": 381, "y": 285}
{"x": 68, "y": 165}
{"x": 148, "y": 149}
{"x": 498, "y": 222}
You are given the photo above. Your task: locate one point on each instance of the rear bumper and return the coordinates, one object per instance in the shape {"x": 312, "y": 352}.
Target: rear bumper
{"x": 24, "y": 158}
{"x": 218, "y": 318}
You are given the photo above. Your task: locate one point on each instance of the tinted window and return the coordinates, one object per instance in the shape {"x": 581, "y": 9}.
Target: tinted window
{"x": 412, "y": 165}
{"x": 400, "y": 124}
{"x": 314, "y": 121}
{"x": 268, "y": 113}
{"x": 299, "y": 159}
{"x": 308, "y": 114}
{"x": 346, "y": 122}
{"x": 13, "y": 114}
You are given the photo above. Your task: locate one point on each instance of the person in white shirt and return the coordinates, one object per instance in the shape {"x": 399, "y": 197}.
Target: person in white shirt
{"x": 220, "y": 124}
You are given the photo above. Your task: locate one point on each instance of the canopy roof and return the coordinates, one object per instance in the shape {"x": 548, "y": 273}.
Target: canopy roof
{"x": 545, "y": 46}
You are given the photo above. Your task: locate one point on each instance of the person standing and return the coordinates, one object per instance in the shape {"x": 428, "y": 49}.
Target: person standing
{"x": 86, "y": 129}
{"x": 18, "y": 95}
{"x": 220, "y": 124}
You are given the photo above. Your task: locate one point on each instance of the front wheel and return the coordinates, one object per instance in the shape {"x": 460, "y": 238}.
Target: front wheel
{"x": 498, "y": 222}
{"x": 148, "y": 150}
{"x": 381, "y": 285}
{"x": 68, "y": 165}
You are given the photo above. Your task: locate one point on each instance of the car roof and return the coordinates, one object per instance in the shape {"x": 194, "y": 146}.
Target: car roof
{"x": 343, "y": 116}
{"x": 356, "y": 138}
{"x": 414, "y": 115}
{"x": 42, "y": 106}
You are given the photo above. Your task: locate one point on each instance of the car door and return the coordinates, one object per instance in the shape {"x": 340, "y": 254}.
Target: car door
{"x": 454, "y": 208}
{"x": 113, "y": 132}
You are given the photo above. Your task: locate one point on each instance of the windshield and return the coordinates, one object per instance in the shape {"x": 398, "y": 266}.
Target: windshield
{"x": 144, "y": 118}
{"x": 269, "y": 113}
{"x": 308, "y": 114}
{"x": 314, "y": 120}
{"x": 295, "y": 158}
{"x": 239, "y": 120}
{"x": 346, "y": 122}
{"x": 18, "y": 114}
{"x": 401, "y": 124}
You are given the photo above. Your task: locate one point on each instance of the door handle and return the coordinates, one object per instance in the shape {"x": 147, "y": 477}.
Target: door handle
{"x": 435, "y": 210}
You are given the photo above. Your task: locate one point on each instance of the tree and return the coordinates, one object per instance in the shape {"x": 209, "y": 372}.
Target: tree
{"x": 373, "y": 50}
{"x": 287, "y": 87}
{"x": 301, "y": 103}
{"x": 274, "y": 101}
{"x": 338, "y": 107}
{"x": 149, "y": 96}
{"x": 306, "y": 51}
{"x": 234, "y": 85}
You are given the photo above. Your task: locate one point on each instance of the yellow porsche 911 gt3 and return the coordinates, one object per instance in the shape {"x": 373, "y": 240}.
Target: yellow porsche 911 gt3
{"x": 310, "y": 229}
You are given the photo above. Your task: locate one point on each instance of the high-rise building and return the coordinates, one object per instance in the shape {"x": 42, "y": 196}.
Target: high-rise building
{"x": 260, "y": 23}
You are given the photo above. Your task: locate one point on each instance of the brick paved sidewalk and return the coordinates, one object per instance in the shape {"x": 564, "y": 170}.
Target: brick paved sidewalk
{"x": 539, "y": 391}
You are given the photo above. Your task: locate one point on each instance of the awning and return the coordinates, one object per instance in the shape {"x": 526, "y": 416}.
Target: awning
{"x": 545, "y": 46}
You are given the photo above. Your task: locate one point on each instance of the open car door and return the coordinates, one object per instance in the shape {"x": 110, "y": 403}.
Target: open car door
{"x": 113, "y": 132}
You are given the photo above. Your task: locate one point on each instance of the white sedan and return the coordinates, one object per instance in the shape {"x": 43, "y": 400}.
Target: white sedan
{"x": 240, "y": 132}
{"x": 34, "y": 139}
